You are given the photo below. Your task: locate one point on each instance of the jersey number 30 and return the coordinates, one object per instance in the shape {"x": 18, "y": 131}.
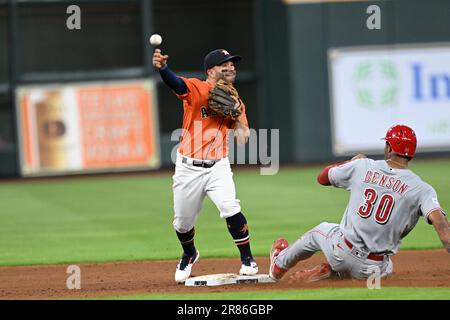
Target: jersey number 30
{"x": 384, "y": 206}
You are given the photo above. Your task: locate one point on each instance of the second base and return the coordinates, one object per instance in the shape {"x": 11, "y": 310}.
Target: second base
{"x": 226, "y": 278}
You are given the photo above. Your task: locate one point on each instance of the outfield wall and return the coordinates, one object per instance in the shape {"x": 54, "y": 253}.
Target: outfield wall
{"x": 285, "y": 76}
{"x": 316, "y": 29}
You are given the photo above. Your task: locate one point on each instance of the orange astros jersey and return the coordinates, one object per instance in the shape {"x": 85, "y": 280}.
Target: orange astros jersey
{"x": 204, "y": 132}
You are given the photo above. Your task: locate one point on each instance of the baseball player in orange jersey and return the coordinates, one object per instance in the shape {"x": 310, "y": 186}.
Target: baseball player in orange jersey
{"x": 202, "y": 166}
{"x": 386, "y": 201}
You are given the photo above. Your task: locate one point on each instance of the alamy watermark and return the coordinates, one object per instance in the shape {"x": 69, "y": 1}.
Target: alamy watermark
{"x": 73, "y": 22}
{"x": 209, "y": 144}
{"x": 374, "y": 280}
{"x": 374, "y": 20}
{"x": 74, "y": 280}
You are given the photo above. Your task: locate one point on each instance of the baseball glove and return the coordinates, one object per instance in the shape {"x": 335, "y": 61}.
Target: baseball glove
{"x": 224, "y": 100}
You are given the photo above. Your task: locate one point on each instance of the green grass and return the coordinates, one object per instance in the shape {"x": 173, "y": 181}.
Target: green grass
{"x": 388, "y": 293}
{"x": 130, "y": 218}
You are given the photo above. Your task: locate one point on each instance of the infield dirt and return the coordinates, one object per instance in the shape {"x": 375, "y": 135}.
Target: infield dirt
{"x": 427, "y": 268}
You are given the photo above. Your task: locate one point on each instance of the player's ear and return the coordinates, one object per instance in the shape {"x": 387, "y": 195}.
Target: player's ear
{"x": 209, "y": 73}
{"x": 388, "y": 147}
{"x": 387, "y": 150}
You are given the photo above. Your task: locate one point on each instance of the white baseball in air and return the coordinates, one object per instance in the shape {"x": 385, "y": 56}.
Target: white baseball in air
{"x": 155, "y": 39}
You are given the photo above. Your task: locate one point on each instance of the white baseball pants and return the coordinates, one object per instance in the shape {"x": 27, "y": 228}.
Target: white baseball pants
{"x": 328, "y": 238}
{"x": 190, "y": 186}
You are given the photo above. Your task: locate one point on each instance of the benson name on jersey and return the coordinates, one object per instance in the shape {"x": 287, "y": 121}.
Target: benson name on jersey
{"x": 385, "y": 181}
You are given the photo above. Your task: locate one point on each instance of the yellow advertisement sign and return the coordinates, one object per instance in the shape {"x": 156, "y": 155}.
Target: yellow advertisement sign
{"x": 111, "y": 126}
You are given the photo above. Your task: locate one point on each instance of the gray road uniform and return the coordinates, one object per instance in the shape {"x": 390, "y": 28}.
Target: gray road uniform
{"x": 385, "y": 205}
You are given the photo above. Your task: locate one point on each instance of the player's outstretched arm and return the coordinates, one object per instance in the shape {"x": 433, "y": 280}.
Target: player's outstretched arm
{"x": 442, "y": 227}
{"x": 170, "y": 79}
{"x": 323, "y": 177}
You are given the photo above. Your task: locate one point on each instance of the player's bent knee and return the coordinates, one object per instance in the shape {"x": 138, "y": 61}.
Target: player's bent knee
{"x": 182, "y": 229}
{"x": 229, "y": 209}
{"x": 182, "y": 226}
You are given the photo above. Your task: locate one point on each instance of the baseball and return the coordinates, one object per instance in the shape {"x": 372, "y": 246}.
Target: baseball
{"x": 155, "y": 40}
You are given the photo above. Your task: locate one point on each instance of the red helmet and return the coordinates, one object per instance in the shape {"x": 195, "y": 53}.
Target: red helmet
{"x": 402, "y": 140}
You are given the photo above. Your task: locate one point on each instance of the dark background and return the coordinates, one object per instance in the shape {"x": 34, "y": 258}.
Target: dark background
{"x": 283, "y": 77}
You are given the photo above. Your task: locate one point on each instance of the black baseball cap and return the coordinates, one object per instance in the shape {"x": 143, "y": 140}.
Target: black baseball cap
{"x": 217, "y": 57}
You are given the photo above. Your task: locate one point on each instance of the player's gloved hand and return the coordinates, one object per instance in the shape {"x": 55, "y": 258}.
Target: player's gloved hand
{"x": 159, "y": 60}
{"x": 224, "y": 100}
